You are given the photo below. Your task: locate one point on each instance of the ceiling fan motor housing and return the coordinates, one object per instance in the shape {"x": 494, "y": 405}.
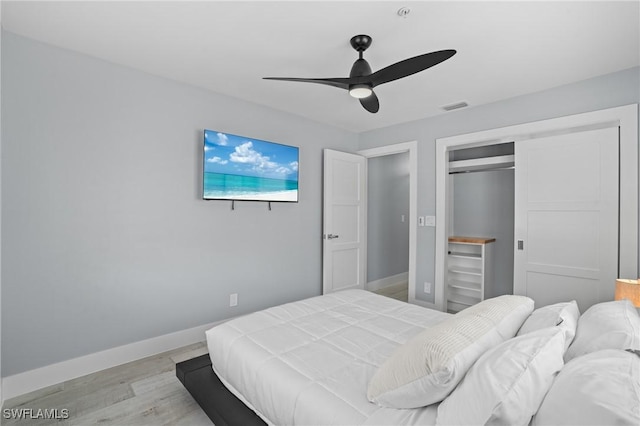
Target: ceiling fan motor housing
{"x": 360, "y": 68}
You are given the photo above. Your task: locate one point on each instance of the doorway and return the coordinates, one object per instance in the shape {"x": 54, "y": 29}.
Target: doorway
{"x": 344, "y": 260}
{"x": 401, "y": 161}
{"x": 388, "y": 225}
{"x": 482, "y": 186}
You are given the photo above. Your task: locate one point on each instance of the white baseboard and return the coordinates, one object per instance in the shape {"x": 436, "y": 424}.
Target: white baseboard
{"x": 388, "y": 281}
{"x": 29, "y": 381}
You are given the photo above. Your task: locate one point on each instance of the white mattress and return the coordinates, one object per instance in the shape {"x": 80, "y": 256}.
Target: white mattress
{"x": 310, "y": 362}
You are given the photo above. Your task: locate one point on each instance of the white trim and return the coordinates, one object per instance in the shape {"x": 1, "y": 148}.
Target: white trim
{"x": 626, "y": 117}
{"x": 29, "y": 381}
{"x": 412, "y": 148}
{"x": 1, "y": 393}
{"x": 425, "y": 304}
{"x": 390, "y": 281}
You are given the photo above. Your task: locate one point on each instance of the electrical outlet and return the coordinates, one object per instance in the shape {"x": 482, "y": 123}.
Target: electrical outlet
{"x": 233, "y": 299}
{"x": 430, "y": 221}
{"x": 427, "y": 287}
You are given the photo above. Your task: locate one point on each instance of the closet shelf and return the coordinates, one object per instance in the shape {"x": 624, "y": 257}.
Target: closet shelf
{"x": 465, "y": 270}
{"x": 465, "y": 285}
{"x": 471, "y": 240}
{"x": 485, "y": 163}
{"x": 463, "y": 300}
{"x": 476, "y": 256}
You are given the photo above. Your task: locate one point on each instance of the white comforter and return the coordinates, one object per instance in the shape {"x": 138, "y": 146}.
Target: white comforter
{"x": 310, "y": 362}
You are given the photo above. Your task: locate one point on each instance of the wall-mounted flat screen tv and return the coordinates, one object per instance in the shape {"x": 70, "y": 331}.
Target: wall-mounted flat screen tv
{"x": 241, "y": 168}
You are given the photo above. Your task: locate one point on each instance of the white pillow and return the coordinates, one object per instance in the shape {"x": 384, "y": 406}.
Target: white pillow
{"x": 608, "y": 325}
{"x": 429, "y": 366}
{"x": 600, "y": 388}
{"x": 507, "y": 384}
{"x": 564, "y": 315}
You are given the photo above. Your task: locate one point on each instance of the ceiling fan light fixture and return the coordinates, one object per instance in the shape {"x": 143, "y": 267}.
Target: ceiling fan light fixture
{"x": 360, "y": 91}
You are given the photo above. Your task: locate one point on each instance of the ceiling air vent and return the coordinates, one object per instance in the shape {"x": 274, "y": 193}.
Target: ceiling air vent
{"x": 453, "y": 106}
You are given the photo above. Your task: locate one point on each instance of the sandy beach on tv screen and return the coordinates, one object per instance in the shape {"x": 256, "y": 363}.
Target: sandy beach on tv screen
{"x": 268, "y": 196}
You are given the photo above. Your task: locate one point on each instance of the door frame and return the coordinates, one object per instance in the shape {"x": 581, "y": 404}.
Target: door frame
{"x": 412, "y": 148}
{"x": 624, "y": 117}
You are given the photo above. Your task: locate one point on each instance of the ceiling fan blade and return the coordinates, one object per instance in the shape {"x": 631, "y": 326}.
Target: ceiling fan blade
{"x": 342, "y": 83}
{"x": 370, "y": 103}
{"x": 409, "y": 66}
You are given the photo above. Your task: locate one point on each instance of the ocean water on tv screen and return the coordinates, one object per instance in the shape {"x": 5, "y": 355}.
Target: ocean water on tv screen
{"x": 228, "y": 186}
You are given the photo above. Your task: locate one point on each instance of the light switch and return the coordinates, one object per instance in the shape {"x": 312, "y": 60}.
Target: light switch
{"x": 420, "y": 220}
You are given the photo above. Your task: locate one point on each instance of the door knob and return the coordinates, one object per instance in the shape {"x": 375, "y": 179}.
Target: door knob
{"x": 331, "y": 236}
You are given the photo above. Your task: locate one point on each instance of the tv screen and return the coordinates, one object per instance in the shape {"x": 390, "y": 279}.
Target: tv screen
{"x": 241, "y": 168}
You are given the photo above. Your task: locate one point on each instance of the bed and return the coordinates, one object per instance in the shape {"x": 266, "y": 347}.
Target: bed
{"x": 354, "y": 357}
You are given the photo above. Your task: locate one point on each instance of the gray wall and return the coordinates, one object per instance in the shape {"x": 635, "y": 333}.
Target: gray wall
{"x": 616, "y": 89}
{"x": 387, "y": 201}
{"x": 105, "y": 238}
{"x": 483, "y": 204}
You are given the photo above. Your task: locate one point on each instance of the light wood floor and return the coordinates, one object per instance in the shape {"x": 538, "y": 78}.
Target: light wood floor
{"x": 397, "y": 291}
{"x": 144, "y": 392}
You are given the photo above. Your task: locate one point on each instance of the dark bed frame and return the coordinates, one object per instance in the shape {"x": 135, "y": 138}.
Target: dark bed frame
{"x": 222, "y": 407}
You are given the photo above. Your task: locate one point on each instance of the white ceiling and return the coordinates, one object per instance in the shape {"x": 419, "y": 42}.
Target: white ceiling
{"x": 505, "y": 48}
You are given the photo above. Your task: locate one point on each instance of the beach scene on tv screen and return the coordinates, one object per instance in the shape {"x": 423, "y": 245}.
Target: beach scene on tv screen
{"x": 240, "y": 168}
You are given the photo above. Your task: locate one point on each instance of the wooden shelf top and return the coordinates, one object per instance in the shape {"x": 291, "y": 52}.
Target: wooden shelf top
{"x": 471, "y": 240}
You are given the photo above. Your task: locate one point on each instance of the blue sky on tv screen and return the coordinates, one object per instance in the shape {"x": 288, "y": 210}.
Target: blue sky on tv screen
{"x": 238, "y": 155}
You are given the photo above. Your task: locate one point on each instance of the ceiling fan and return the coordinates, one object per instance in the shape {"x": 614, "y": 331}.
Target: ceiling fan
{"x": 361, "y": 80}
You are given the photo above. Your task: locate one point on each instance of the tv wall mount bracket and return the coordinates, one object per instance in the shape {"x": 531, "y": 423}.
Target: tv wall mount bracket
{"x": 233, "y": 204}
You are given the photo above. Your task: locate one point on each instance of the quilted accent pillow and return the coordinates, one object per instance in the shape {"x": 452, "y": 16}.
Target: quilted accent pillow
{"x": 600, "y": 388}
{"x": 607, "y": 325}
{"x": 428, "y": 367}
{"x": 507, "y": 384}
{"x": 564, "y": 315}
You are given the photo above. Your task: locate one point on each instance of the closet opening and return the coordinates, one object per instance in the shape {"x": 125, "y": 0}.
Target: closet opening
{"x": 482, "y": 210}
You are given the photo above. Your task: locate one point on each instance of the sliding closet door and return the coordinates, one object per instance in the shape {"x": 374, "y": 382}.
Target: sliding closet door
{"x": 566, "y": 217}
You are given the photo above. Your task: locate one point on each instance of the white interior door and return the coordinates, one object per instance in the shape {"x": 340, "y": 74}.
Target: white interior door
{"x": 566, "y": 217}
{"x": 344, "y": 221}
